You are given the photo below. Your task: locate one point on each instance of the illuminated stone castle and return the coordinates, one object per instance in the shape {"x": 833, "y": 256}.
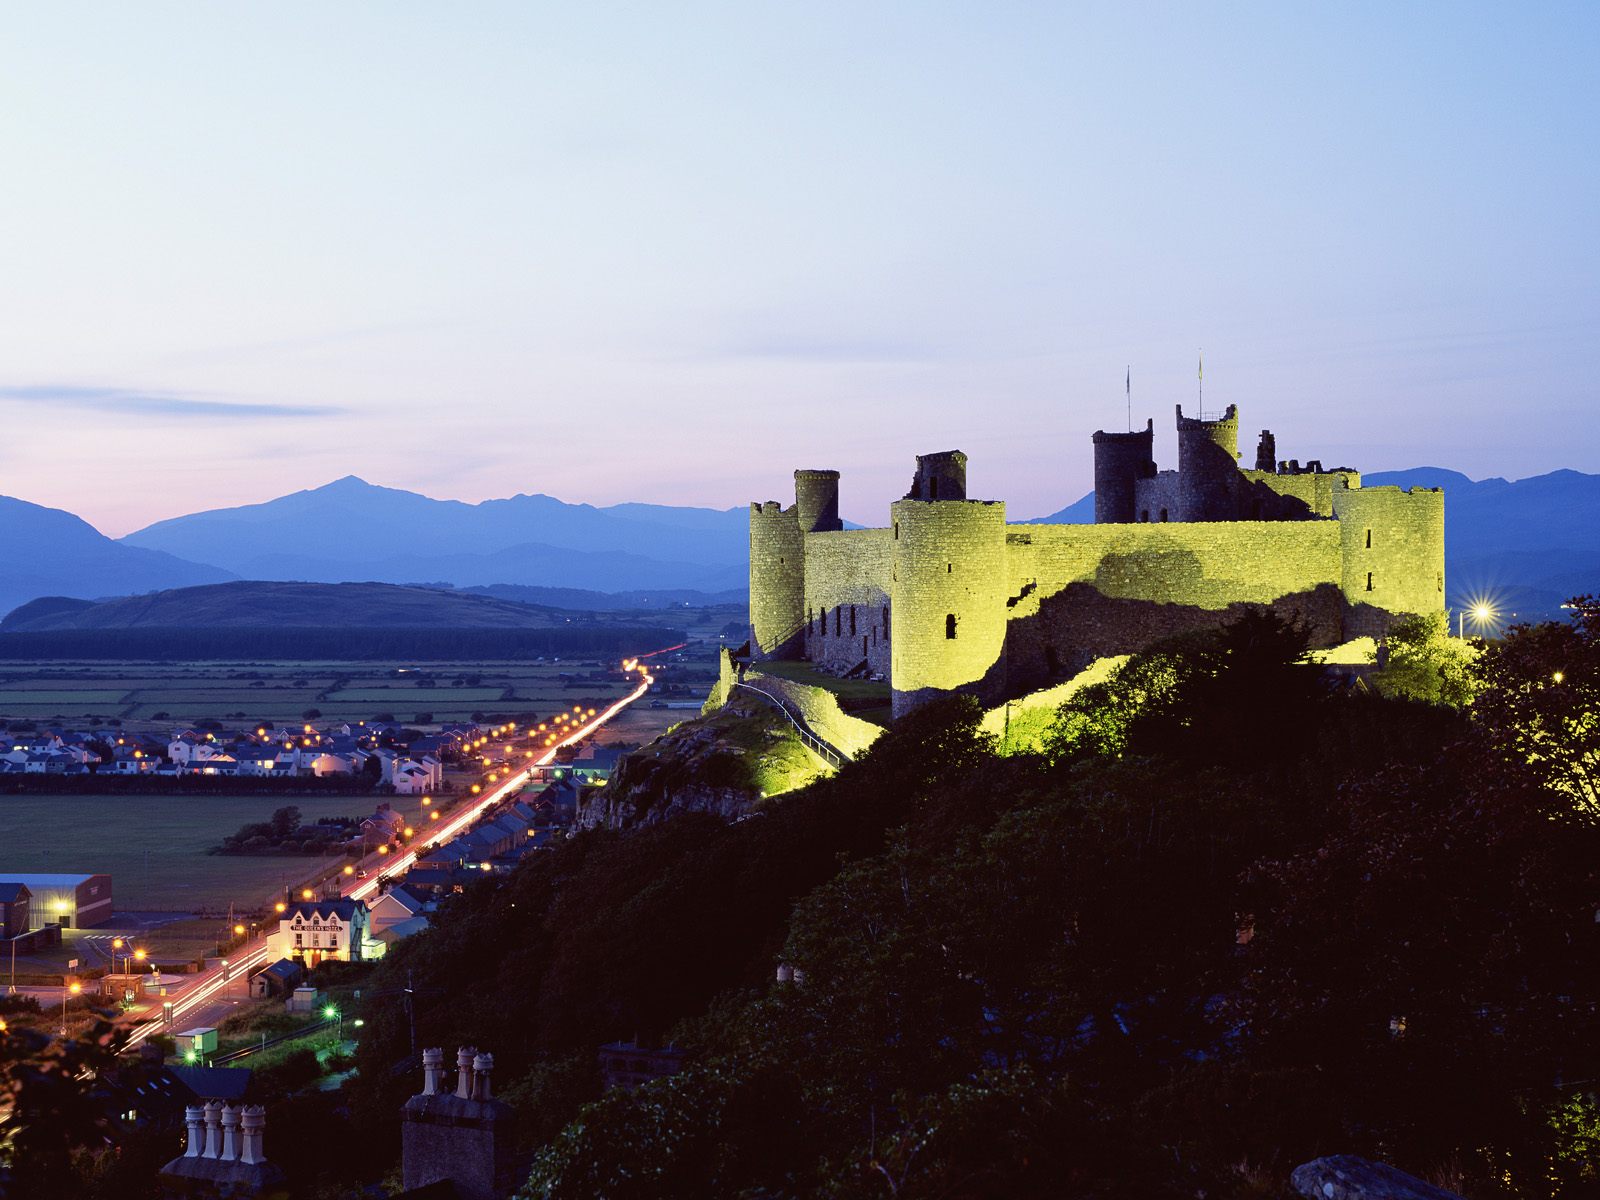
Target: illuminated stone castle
{"x": 949, "y": 597}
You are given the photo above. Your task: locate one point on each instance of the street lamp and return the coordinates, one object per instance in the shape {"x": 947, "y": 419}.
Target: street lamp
{"x": 1481, "y": 614}
{"x": 73, "y": 989}
{"x": 333, "y": 1013}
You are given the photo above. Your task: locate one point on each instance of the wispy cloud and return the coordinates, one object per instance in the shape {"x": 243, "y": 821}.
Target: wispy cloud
{"x": 136, "y": 402}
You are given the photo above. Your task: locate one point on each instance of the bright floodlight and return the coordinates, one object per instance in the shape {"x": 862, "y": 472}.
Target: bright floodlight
{"x": 330, "y": 1012}
{"x": 1481, "y": 612}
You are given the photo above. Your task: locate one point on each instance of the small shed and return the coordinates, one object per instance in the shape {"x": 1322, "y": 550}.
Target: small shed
{"x": 280, "y": 979}
{"x": 200, "y": 1040}
{"x": 303, "y": 999}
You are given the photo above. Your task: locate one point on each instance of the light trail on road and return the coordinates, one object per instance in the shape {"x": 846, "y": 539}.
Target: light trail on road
{"x": 204, "y": 988}
{"x": 207, "y": 985}
{"x": 459, "y": 824}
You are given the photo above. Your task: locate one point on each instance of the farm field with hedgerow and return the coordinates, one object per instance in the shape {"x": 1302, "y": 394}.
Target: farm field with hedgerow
{"x": 157, "y": 856}
{"x": 142, "y": 695}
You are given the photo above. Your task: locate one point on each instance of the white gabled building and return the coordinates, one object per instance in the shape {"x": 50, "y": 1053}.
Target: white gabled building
{"x": 317, "y": 930}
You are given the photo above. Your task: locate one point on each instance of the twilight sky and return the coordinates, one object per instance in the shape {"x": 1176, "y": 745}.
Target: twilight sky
{"x": 670, "y": 252}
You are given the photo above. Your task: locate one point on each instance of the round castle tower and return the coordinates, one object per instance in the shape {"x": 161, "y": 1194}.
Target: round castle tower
{"x": 816, "y": 496}
{"x": 777, "y": 581}
{"x": 1208, "y": 466}
{"x": 1120, "y": 460}
{"x": 1392, "y": 544}
{"x": 948, "y": 596}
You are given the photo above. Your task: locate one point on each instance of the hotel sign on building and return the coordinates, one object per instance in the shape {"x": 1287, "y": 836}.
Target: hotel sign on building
{"x": 315, "y": 931}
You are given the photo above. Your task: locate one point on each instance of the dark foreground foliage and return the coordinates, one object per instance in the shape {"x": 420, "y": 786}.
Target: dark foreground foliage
{"x": 1233, "y": 919}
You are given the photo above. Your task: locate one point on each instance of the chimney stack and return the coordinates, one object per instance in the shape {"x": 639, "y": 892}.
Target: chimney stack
{"x": 224, "y": 1154}
{"x": 432, "y": 1071}
{"x": 230, "y": 1133}
{"x": 481, "y": 1066}
{"x": 213, "y": 1129}
{"x": 195, "y": 1118}
{"x": 253, "y": 1120}
{"x": 461, "y": 1136}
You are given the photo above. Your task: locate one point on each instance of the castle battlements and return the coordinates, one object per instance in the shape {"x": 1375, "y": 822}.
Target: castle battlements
{"x": 949, "y": 597}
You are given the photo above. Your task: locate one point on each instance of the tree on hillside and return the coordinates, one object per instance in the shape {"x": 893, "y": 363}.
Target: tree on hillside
{"x": 1540, "y": 710}
{"x": 1419, "y": 660}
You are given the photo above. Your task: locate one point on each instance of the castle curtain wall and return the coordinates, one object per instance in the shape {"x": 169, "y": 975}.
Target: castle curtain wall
{"x": 1078, "y": 592}
{"x": 848, "y": 576}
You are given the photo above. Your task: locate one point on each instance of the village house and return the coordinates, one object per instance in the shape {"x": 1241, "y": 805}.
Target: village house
{"x": 316, "y": 931}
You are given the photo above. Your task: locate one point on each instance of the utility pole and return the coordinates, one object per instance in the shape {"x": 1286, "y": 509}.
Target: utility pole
{"x": 411, "y": 1014}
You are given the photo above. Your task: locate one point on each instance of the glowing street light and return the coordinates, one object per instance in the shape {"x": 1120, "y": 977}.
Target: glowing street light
{"x": 1481, "y": 614}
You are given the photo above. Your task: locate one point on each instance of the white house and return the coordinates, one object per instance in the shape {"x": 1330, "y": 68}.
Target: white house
{"x": 316, "y": 930}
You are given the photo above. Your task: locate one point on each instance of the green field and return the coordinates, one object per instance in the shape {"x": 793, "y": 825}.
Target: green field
{"x": 145, "y": 694}
{"x": 154, "y": 847}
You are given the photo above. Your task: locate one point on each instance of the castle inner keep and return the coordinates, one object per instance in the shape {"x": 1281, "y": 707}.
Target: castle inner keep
{"x": 949, "y": 596}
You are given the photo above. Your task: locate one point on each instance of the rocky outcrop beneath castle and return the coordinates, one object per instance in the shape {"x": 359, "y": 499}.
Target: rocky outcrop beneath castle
{"x": 1346, "y": 1177}
{"x": 725, "y": 764}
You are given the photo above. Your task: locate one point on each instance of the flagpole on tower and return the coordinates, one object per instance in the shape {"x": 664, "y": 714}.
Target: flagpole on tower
{"x": 1128, "y": 384}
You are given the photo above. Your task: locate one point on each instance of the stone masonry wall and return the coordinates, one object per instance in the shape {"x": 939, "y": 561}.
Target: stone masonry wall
{"x": 1393, "y": 554}
{"x": 777, "y": 581}
{"x": 847, "y": 616}
{"x": 1081, "y": 592}
{"x": 1314, "y": 489}
{"x": 948, "y": 599}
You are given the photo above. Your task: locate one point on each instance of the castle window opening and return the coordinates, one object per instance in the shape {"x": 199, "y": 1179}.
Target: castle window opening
{"x": 838, "y": 620}
{"x": 897, "y": 531}
{"x": 852, "y": 620}
{"x": 1369, "y": 581}
{"x": 885, "y": 620}
{"x": 950, "y": 627}
{"x": 863, "y": 647}
{"x": 811, "y": 620}
{"x": 1369, "y": 539}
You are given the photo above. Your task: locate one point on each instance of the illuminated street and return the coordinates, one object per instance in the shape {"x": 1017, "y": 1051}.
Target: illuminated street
{"x": 210, "y": 996}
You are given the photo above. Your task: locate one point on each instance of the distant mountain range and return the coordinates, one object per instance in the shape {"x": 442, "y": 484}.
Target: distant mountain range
{"x": 47, "y": 552}
{"x": 351, "y": 529}
{"x": 1528, "y": 544}
{"x": 252, "y": 605}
